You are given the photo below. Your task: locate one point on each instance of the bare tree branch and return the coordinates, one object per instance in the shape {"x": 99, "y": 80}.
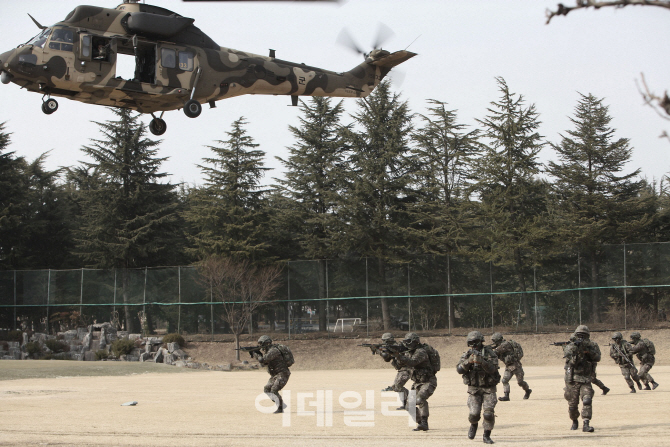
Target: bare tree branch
{"x": 562, "y": 10}
{"x": 660, "y": 104}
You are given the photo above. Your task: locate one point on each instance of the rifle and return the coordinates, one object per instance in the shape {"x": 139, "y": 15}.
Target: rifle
{"x": 560, "y": 343}
{"x": 374, "y": 347}
{"x": 390, "y": 349}
{"x": 625, "y": 357}
{"x": 250, "y": 349}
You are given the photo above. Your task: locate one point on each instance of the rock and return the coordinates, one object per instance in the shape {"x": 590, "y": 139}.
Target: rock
{"x": 70, "y": 335}
{"x": 103, "y": 339}
{"x": 145, "y": 357}
{"x": 180, "y": 354}
{"x": 25, "y": 339}
{"x": 224, "y": 367}
{"x": 172, "y": 347}
{"x": 89, "y": 356}
{"x": 168, "y": 359}
{"x": 159, "y": 356}
{"x": 134, "y": 336}
{"x": 179, "y": 364}
{"x": 13, "y": 345}
{"x": 132, "y": 358}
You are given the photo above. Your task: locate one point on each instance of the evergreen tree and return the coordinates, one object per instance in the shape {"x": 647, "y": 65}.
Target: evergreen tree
{"x": 227, "y": 213}
{"x": 378, "y": 193}
{"x": 314, "y": 179}
{"x": 13, "y": 199}
{"x": 599, "y": 204}
{"x": 444, "y": 157}
{"x": 512, "y": 200}
{"x": 129, "y": 219}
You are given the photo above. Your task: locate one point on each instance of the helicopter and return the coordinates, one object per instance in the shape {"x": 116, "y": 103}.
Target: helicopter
{"x": 176, "y": 65}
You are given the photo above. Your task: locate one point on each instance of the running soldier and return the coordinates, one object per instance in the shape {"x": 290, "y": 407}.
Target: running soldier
{"x": 645, "y": 351}
{"x": 581, "y": 357}
{"x": 423, "y": 374}
{"x": 620, "y": 353}
{"x": 479, "y": 368}
{"x": 404, "y": 371}
{"x": 510, "y": 353}
{"x": 277, "y": 358}
{"x": 594, "y": 379}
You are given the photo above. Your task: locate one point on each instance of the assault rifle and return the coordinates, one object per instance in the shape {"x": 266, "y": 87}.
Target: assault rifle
{"x": 250, "y": 349}
{"x": 565, "y": 343}
{"x": 390, "y": 349}
{"x": 624, "y": 356}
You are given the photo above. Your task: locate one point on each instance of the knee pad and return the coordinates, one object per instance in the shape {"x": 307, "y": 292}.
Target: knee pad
{"x": 587, "y": 400}
{"x": 473, "y": 418}
{"x": 267, "y": 389}
{"x": 489, "y": 416}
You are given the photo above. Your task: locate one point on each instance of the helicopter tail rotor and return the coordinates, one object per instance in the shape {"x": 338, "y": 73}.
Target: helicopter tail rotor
{"x": 384, "y": 33}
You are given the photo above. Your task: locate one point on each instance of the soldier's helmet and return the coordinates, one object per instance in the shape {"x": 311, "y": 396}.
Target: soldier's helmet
{"x": 411, "y": 340}
{"x": 475, "y": 338}
{"x": 617, "y": 336}
{"x": 497, "y": 338}
{"x": 635, "y": 336}
{"x": 388, "y": 338}
{"x": 264, "y": 341}
{"x": 582, "y": 331}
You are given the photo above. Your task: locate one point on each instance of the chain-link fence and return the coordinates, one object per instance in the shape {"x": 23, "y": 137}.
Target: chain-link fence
{"x": 614, "y": 286}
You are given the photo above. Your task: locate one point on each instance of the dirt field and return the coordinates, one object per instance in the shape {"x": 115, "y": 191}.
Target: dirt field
{"x": 69, "y": 403}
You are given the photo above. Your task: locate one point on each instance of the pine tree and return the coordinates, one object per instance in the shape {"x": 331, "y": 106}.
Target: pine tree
{"x": 129, "y": 219}
{"x": 13, "y": 198}
{"x": 512, "y": 200}
{"x": 314, "y": 180}
{"x": 379, "y": 193}
{"x": 599, "y": 204}
{"x": 227, "y": 213}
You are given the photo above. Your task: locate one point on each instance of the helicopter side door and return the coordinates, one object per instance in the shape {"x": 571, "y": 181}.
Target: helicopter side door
{"x": 175, "y": 66}
{"x": 96, "y": 59}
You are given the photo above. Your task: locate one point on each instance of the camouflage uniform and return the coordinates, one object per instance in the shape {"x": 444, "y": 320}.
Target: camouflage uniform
{"x": 279, "y": 372}
{"x": 620, "y": 353}
{"x": 404, "y": 371}
{"x": 480, "y": 373}
{"x": 581, "y": 356}
{"x": 422, "y": 375}
{"x": 646, "y": 358}
{"x": 505, "y": 351}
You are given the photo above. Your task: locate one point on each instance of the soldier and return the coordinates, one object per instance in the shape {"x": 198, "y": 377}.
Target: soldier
{"x": 277, "y": 364}
{"x": 645, "y": 351}
{"x": 417, "y": 358}
{"x": 581, "y": 357}
{"x": 594, "y": 379}
{"x": 404, "y": 371}
{"x": 620, "y": 353}
{"x": 510, "y": 353}
{"x": 479, "y": 368}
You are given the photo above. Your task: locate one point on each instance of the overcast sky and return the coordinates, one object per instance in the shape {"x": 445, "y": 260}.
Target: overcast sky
{"x": 462, "y": 45}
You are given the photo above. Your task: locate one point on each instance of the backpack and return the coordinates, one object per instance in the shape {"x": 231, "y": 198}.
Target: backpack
{"x": 651, "y": 349}
{"x": 517, "y": 349}
{"x": 433, "y": 357}
{"x": 287, "y": 354}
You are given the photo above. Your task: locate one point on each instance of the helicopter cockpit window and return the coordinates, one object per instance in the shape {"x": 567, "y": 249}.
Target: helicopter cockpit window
{"x": 168, "y": 58}
{"x": 186, "y": 60}
{"x": 40, "y": 39}
{"x": 61, "y": 39}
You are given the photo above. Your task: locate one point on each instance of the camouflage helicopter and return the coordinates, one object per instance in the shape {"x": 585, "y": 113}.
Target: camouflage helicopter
{"x": 177, "y": 66}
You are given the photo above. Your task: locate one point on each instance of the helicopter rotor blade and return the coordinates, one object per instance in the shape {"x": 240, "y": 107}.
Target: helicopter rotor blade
{"x": 384, "y": 33}
{"x": 345, "y": 39}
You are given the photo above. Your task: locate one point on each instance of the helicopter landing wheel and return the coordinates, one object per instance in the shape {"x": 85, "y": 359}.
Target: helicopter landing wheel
{"x": 192, "y": 108}
{"x": 49, "y": 106}
{"x": 157, "y": 126}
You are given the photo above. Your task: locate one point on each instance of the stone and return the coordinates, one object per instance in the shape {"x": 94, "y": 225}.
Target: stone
{"x": 89, "y": 356}
{"x": 159, "y": 356}
{"x": 172, "y": 347}
{"x": 180, "y": 354}
{"x": 132, "y": 358}
{"x": 134, "y": 337}
{"x": 70, "y": 335}
{"x": 168, "y": 359}
{"x": 145, "y": 357}
{"x": 25, "y": 339}
{"x": 13, "y": 345}
{"x": 179, "y": 364}
{"x": 103, "y": 339}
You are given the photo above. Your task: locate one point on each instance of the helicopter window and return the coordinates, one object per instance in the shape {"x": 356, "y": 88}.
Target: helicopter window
{"x": 39, "y": 40}
{"x": 168, "y": 58}
{"x": 62, "y": 35}
{"x": 186, "y": 60}
{"x": 86, "y": 47}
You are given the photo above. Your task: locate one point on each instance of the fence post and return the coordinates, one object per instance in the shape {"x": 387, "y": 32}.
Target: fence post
{"x": 449, "y": 291}
{"x": 579, "y": 284}
{"x": 114, "y": 306}
{"x": 48, "y": 298}
{"x": 491, "y": 281}
{"x": 409, "y": 303}
{"x": 535, "y": 294}
{"x": 327, "y": 302}
{"x": 211, "y": 309}
{"x": 81, "y": 291}
{"x": 14, "y": 299}
{"x": 179, "y": 298}
{"x": 625, "y": 303}
{"x": 287, "y": 320}
{"x": 367, "y": 300}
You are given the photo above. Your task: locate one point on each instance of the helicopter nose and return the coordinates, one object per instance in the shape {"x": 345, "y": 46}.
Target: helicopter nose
{"x": 5, "y": 76}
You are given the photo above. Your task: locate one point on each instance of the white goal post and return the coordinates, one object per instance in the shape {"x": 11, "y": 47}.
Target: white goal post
{"x": 349, "y": 321}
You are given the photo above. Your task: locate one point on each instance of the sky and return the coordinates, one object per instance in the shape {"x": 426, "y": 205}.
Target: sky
{"x": 462, "y": 46}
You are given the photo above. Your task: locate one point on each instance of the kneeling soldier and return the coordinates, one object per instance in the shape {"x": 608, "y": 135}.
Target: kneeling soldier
{"x": 479, "y": 368}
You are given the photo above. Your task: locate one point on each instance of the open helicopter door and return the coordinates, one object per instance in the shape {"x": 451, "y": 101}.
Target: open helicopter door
{"x": 175, "y": 66}
{"x": 96, "y": 59}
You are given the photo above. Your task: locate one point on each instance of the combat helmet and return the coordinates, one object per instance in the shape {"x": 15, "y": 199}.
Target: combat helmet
{"x": 475, "y": 338}
{"x": 388, "y": 338}
{"x": 617, "y": 336}
{"x": 497, "y": 338}
{"x": 582, "y": 331}
{"x": 411, "y": 340}
{"x": 264, "y": 341}
{"x": 635, "y": 335}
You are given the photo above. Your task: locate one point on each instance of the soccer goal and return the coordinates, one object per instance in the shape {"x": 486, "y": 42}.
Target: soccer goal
{"x": 350, "y": 323}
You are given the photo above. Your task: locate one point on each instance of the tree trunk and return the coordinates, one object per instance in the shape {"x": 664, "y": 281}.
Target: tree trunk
{"x": 386, "y": 315}
{"x": 322, "y": 294}
{"x": 450, "y": 300}
{"x": 237, "y": 346}
{"x": 272, "y": 319}
{"x": 126, "y": 309}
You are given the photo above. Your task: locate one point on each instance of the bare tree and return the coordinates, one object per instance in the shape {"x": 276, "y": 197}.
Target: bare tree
{"x": 241, "y": 288}
{"x": 562, "y": 10}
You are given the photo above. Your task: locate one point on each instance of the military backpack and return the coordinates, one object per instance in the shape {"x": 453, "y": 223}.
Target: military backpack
{"x": 517, "y": 350}
{"x": 433, "y": 356}
{"x": 287, "y": 354}
{"x": 651, "y": 349}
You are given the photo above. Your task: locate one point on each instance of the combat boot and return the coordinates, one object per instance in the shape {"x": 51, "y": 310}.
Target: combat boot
{"x": 654, "y": 385}
{"x": 632, "y": 389}
{"x": 473, "y": 431}
{"x": 487, "y": 437}
{"x": 527, "y": 395}
{"x": 647, "y": 387}
{"x": 605, "y": 390}
{"x": 505, "y": 398}
{"x": 388, "y": 388}
{"x": 587, "y": 428}
{"x": 422, "y": 426}
{"x": 575, "y": 425}
{"x": 639, "y": 385}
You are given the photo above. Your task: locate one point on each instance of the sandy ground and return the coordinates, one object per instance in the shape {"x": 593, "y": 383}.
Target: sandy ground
{"x": 218, "y": 409}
